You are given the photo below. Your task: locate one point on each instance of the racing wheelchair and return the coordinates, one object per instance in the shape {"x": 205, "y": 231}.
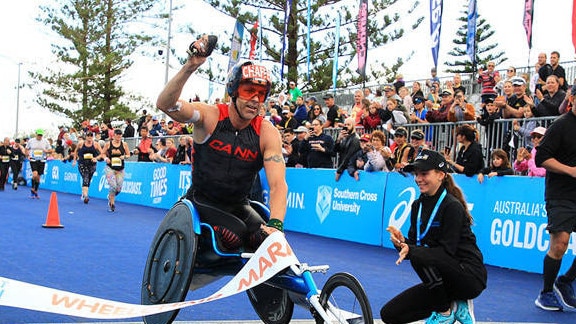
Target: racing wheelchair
{"x": 186, "y": 254}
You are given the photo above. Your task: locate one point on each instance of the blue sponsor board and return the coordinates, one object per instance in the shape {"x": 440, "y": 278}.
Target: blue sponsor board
{"x": 348, "y": 209}
{"x": 509, "y": 212}
{"x": 151, "y": 184}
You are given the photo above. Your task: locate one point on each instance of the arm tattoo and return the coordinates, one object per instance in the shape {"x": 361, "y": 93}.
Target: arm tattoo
{"x": 275, "y": 158}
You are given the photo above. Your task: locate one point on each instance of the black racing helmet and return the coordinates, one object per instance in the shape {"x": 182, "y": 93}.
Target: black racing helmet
{"x": 247, "y": 72}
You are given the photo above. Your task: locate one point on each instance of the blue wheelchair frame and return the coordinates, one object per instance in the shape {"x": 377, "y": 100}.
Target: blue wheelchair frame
{"x": 297, "y": 281}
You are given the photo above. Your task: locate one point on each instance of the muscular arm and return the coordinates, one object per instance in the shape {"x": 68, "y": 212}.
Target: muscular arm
{"x": 275, "y": 170}
{"x": 182, "y": 111}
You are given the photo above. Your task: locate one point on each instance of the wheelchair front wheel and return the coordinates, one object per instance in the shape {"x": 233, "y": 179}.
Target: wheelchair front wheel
{"x": 345, "y": 300}
{"x": 169, "y": 267}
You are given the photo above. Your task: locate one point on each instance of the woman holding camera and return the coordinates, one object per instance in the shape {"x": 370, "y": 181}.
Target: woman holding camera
{"x": 461, "y": 110}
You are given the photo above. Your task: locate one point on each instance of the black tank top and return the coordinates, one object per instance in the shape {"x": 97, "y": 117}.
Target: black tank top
{"x": 114, "y": 154}
{"x": 226, "y": 164}
{"x": 86, "y": 153}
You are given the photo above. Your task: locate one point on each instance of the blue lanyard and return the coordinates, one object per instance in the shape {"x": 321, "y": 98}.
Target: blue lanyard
{"x": 432, "y": 216}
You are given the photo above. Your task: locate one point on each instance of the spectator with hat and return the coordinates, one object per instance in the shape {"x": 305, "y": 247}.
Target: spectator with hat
{"x": 288, "y": 120}
{"x": 302, "y": 133}
{"x": 358, "y": 160}
{"x": 417, "y": 140}
{"x": 515, "y": 104}
{"x": 293, "y": 92}
{"x": 440, "y": 115}
{"x": 536, "y": 136}
{"x": 156, "y": 129}
{"x": 418, "y": 116}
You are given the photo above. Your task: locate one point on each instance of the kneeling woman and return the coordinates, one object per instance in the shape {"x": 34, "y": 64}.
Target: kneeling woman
{"x": 441, "y": 248}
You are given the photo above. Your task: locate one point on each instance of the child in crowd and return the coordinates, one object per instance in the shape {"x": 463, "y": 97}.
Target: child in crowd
{"x": 500, "y": 166}
{"x": 521, "y": 163}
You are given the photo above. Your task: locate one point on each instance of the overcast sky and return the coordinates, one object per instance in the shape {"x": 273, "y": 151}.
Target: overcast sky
{"x": 26, "y": 41}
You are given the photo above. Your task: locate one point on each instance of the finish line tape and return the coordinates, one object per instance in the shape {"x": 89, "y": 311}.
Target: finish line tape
{"x": 272, "y": 256}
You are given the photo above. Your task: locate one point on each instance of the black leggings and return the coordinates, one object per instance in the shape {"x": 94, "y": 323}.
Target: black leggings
{"x": 444, "y": 279}
{"x": 86, "y": 171}
{"x": 3, "y": 173}
{"x": 16, "y": 166}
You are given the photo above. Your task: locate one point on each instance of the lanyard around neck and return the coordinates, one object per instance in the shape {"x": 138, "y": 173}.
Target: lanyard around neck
{"x": 432, "y": 216}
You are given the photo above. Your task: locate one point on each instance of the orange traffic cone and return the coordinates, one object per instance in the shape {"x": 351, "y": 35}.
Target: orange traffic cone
{"x": 53, "y": 217}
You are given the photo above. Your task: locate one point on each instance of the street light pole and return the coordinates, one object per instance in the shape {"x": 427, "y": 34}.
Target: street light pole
{"x": 168, "y": 44}
{"x": 17, "y": 100}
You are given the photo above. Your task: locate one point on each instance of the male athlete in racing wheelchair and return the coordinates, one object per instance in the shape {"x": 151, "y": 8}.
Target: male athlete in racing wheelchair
{"x": 231, "y": 144}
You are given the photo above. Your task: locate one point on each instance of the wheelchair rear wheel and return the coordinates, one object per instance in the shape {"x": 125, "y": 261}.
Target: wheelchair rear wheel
{"x": 344, "y": 299}
{"x": 169, "y": 266}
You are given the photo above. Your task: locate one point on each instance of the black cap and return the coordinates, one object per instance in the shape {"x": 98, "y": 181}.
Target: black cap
{"x": 328, "y": 96}
{"x": 489, "y": 100}
{"x": 89, "y": 134}
{"x": 418, "y": 100}
{"x": 118, "y": 131}
{"x": 428, "y": 160}
{"x": 17, "y": 140}
{"x": 417, "y": 134}
{"x": 401, "y": 131}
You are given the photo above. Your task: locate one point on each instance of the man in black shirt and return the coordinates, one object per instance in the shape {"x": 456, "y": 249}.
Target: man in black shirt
{"x": 557, "y": 154}
{"x": 129, "y": 130}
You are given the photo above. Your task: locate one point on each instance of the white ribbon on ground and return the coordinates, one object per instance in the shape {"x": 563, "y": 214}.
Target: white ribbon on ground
{"x": 274, "y": 255}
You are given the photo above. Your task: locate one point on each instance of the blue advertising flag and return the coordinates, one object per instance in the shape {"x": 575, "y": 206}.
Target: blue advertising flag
{"x": 471, "y": 37}
{"x": 236, "y": 44}
{"x": 435, "y": 27}
{"x": 286, "y": 19}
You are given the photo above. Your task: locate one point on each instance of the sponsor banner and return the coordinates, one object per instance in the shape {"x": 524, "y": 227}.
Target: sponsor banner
{"x": 150, "y": 184}
{"x": 528, "y": 19}
{"x": 435, "y": 28}
{"x": 348, "y": 209}
{"x": 274, "y": 255}
{"x": 362, "y": 41}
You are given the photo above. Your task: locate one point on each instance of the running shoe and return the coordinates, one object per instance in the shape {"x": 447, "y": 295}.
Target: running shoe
{"x": 438, "y": 318}
{"x": 565, "y": 294}
{"x": 464, "y": 311}
{"x": 32, "y": 194}
{"x": 15, "y": 186}
{"x": 548, "y": 301}
{"x": 111, "y": 207}
{"x": 86, "y": 199}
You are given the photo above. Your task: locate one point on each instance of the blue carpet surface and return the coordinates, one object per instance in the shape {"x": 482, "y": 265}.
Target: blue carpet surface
{"x": 102, "y": 254}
